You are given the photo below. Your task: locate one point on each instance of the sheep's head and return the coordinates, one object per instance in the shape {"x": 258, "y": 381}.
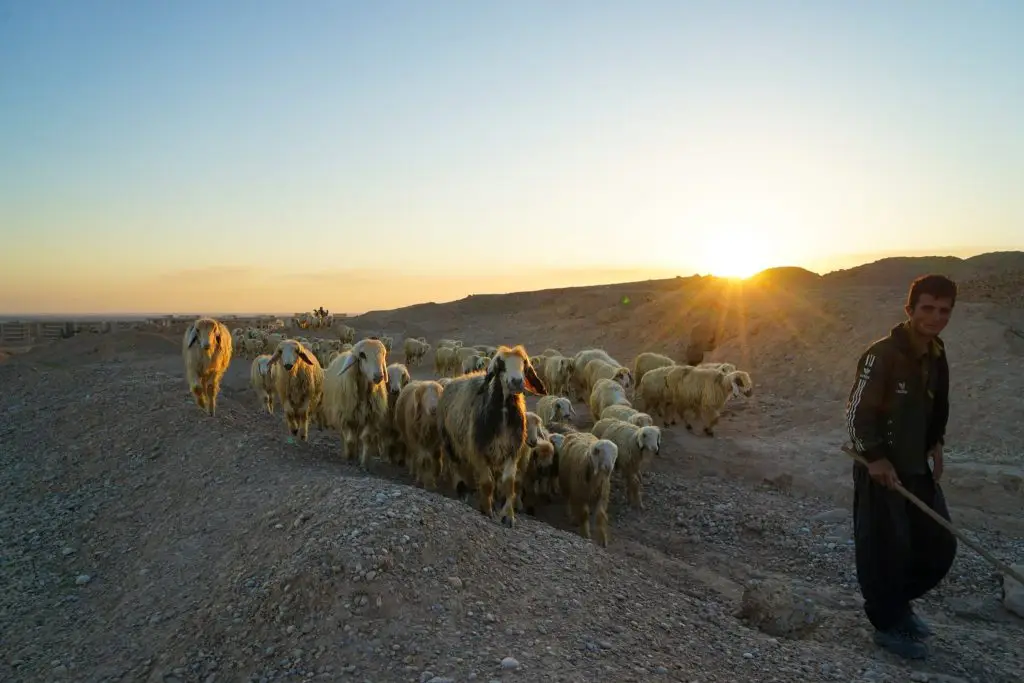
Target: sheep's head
{"x": 740, "y": 382}
{"x": 649, "y": 439}
{"x": 603, "y": 454}
{"x": 512, "y": 368}
{"x": 205, "y": 333}
{"x": 543, "y": 453}
{"x": 624, "y": 377}
{"x": 556, "y": 441}
{"x": 641, "y": 420}
{"x": 430, "y": 397}
{"x": 563, "y": 408}
{"x": 477, "y": 362}
{"x": 533, "y": 425}
{"x": 398, "y": 378}
{"x": 289, "y": 353}
{"x": 369, "y": 355}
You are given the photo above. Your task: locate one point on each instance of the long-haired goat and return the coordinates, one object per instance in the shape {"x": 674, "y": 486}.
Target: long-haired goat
{"x": 482, "y": 417}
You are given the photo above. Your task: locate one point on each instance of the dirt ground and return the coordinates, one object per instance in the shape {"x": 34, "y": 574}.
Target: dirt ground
{"x": 145, "y": 541}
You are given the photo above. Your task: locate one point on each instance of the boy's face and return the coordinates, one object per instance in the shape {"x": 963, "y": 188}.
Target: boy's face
{"x": 930, "y": 316}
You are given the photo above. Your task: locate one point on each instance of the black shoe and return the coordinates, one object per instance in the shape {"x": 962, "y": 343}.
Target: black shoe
{"x": 916, "y": 627}
{"x": 901, "y": 643}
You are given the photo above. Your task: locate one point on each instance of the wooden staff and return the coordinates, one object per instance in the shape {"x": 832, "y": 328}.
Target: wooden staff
{"x": 996, "y": 562}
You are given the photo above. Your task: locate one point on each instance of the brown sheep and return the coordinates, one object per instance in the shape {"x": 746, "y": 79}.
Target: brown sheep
{"x": 585, "y": 466}
{"x": 483, "y": 427}
{"x": 206, "y": 349}
{"x": 417, "y": 426}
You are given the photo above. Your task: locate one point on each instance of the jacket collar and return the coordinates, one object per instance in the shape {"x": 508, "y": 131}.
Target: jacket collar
{"x": 901, "y": 335}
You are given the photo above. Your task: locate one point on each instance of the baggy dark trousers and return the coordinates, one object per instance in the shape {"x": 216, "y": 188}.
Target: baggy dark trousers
{"x": 901, "y": 553}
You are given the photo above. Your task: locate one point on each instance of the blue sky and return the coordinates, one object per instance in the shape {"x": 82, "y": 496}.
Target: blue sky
{"x": 182, "y": 155}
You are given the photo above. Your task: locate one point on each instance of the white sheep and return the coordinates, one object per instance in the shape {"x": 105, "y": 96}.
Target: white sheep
{"x": 414, "y": 350}
{"x": 263, "y": 380}
{"x": 390, "y": 444}
{"x": 637, "y": 445}
{"x": 356, "y": 397}
{"x": 652, "y": 395}
{"x": 585, "y": 465}
{"x": 606, "y": 392}
{"x": 299, "y": 384}
{"x": 705, "y": 391}
{"x": 598, "y": 369}
{"x": 577, "y": 388}
{"x": 627, "y": 414}
{"x": 474, "y": 363}
{"x": 648, "y": 361}
{"x": 206, "y": 349}
{"x": 558, "y": 372}
{"x": 554, "y": 409}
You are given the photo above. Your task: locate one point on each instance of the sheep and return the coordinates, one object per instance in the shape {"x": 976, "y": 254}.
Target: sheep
{"x": 636, "y": 447}
{"x": 474, "y": 363}
{"x": 554, "y": 409}
{"x": 724, "y": 368}
{"x": 449, "y": 343}
{"x": 206, "y": 350}
{"x": 558, "y": 372}
{"x": 300, "y": 384}
{"x": 576, "y": 387}
{"x": 551, "y": 353}
{"x": 415, "y": 350}
{"x": 417, "y": 426}
{"x": 483, "y": 427}
{"x": 606, "y": 393}
{"x": 346, "y": 334}
{"x": 388, "y": 342}
{"x": 627, "y": 414}
{"x": 597, "y": 370}
{"x": 705, "y": 391}
{"x": 390, "y": 444}
{"x": 263, "y": 380}
{"x": 648, "y": 361}
{"x": 536, "y": 476}
{"x": 653, "y": 396}
{"x": 443, "y": 360}
{"x": 356, "y": 397}
{"x": 585, "y": 465}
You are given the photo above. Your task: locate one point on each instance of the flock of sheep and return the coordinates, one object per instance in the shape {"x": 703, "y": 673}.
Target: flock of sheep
{"x": 469, "y": 430}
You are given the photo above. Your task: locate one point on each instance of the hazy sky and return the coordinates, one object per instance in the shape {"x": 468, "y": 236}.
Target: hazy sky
{"x": 247, "y": 155}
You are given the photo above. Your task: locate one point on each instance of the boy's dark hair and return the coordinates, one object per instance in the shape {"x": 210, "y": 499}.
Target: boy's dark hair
{"x": 938, "y": 286}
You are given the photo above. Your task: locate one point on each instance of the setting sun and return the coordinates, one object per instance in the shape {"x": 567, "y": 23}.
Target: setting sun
{"x": 737, "y": 254}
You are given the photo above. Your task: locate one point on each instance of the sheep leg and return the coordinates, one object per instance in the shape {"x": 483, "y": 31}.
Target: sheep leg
{"x": 601, "y": 521}
{"x": 268, "y": 402}
{"x": 633, "y": 489}
{"x": 213, "y": 388}
{"x": 508, "y": 490}
{"x": 348, "y": 440}
{"x": 485, "y": 493}
{"x": 709, "y": 416}
{"x": 199, "y": 394}
{"x": 366, "y": 439}
{"x": 302, "y": 420}
{"x": 581, "y": 517}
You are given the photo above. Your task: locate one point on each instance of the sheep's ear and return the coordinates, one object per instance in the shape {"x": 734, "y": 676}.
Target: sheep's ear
{"x": 304, "y": 356}
{"x": 640, "y": 439}
{"x": 348, "y": 363}
{"x": 274, "y": 358}
{"x": 533, "y": 382}
{"x": 193, "y": 335}
{"x": 572, "y": 411}
{"x": 387, "y": 376}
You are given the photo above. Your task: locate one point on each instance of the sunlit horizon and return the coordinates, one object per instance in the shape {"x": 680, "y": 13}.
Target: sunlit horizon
{"x": 272, "y": 157}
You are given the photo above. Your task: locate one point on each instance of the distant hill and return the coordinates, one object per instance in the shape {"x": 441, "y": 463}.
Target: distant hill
{"x": 898, "y": 271}
{"x": 786, "y": 276}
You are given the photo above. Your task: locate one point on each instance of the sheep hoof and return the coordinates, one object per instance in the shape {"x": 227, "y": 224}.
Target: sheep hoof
{"x": 709, "y": 432}
{"x": 509, "y": 521}
{"x": 689, "y": 428}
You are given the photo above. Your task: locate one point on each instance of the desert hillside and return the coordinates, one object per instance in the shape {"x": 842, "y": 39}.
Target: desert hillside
{"x": 145, "y": 541}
